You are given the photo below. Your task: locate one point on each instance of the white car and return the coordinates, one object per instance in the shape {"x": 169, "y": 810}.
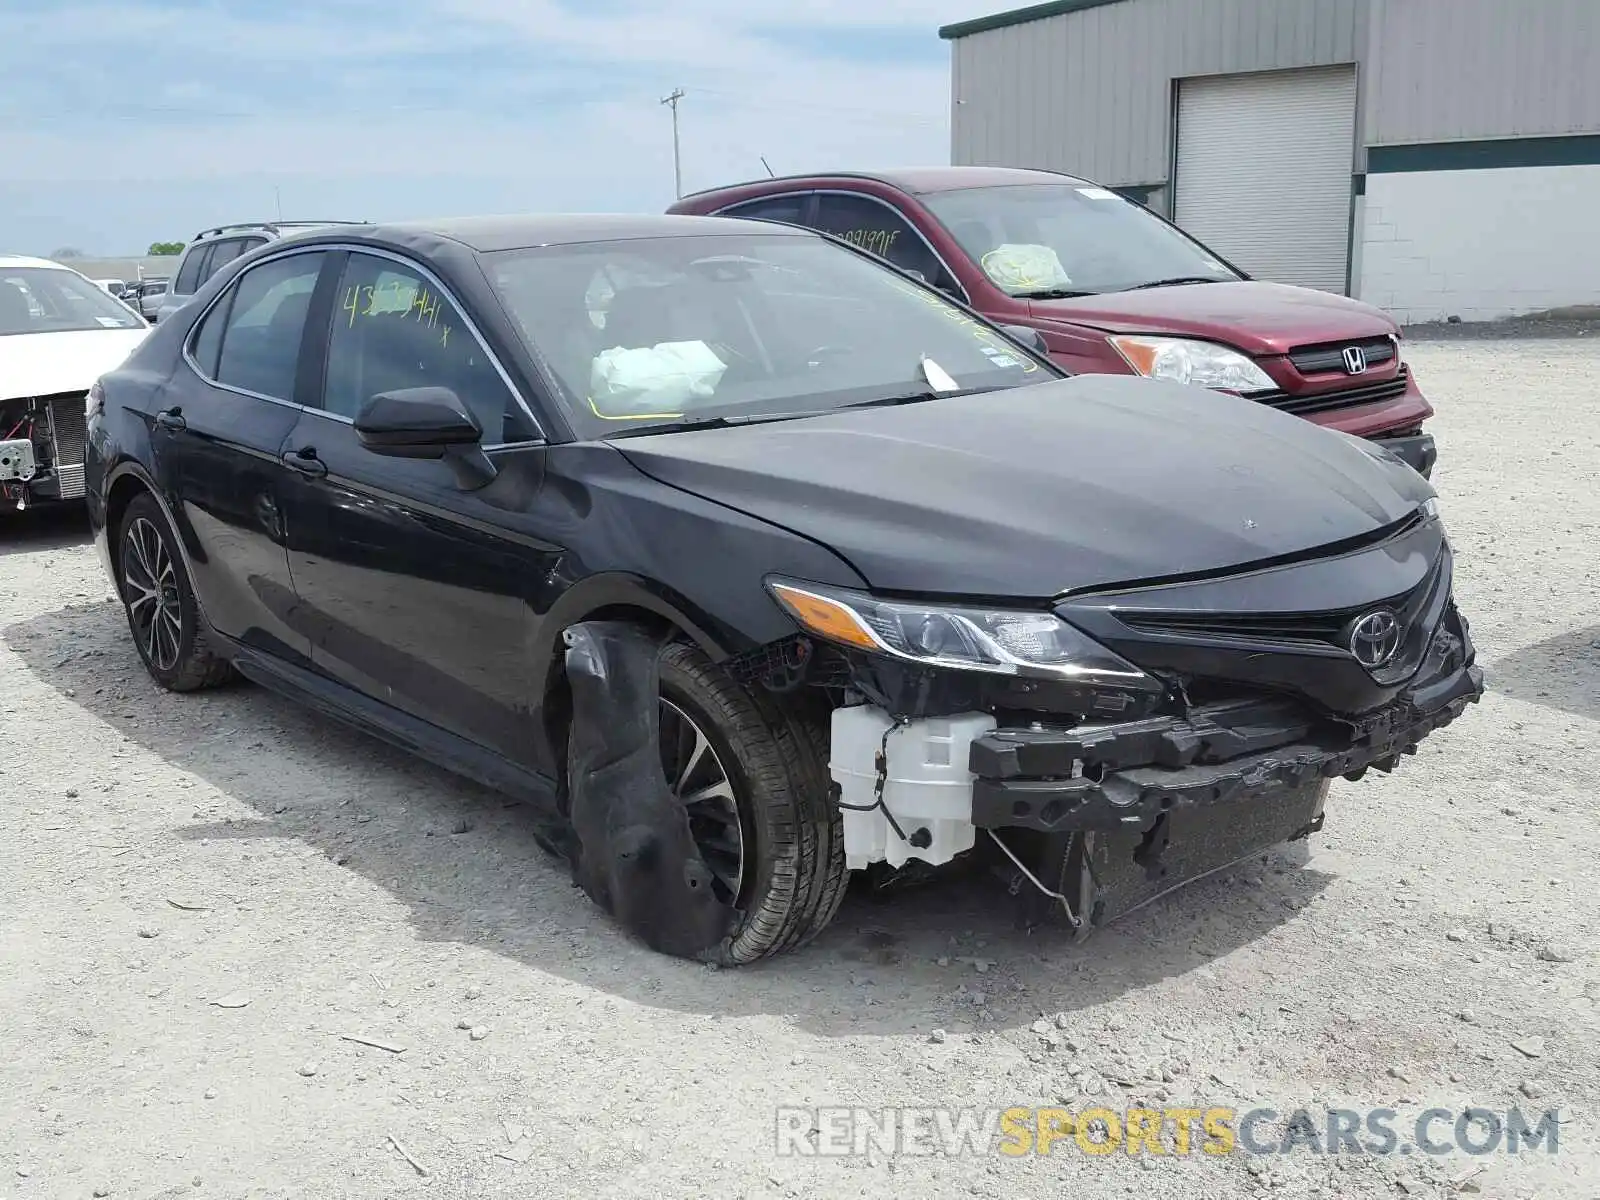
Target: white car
{"x": 59, "y": 332}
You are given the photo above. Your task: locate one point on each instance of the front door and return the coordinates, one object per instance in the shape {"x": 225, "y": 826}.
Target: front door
{"x": 216, "y": 440}
{"x": 411, "y": 589}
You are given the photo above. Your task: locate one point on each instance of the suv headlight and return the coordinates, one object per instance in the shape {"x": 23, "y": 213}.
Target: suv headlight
{"x": 1182, "y": 360}
{"x": 957, "y": 637}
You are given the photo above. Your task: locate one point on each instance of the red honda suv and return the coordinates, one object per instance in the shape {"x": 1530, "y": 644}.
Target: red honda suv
{"x": 1111, "y": 287}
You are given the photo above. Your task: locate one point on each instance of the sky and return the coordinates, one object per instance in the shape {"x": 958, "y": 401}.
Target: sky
{"x": 125, "y": 122}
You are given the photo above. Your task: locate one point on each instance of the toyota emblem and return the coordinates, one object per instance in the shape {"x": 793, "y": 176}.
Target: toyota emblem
{"x": 1375, "y": 638}
{"x": 1355, "y": 360}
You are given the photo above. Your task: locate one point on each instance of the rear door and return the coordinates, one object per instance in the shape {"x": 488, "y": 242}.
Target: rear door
{"x": 415, "y": 593}
{"x": 217, "y": 440}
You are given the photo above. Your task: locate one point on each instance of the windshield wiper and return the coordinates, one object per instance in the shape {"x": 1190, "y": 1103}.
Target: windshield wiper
{"x": 1051, "y": 294}
{"x": 1175, "y": 281}
{"x": 918, "y": 397}
{"x": 728, "y": 422}
{"x": 716, "y": 423}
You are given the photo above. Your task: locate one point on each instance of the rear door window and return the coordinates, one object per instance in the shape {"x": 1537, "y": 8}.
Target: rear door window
{"x": 222, "y": 253}
{"x": 266, "y": 321}
{"x": 872, "y": 225}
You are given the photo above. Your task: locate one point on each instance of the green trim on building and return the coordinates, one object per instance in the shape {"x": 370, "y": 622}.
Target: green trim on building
{"x": 1018, "y": 16}
{"x": 1575, "y": 150}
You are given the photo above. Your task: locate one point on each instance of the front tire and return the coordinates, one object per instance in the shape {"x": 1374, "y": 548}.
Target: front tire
{"x": 754, "y": 778}
{"x": 159, "y": 600}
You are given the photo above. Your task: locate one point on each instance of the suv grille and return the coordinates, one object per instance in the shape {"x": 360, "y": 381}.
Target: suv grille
{"x": 69, "y": 437}
{"x": 1319, "y": 360}
{"x": 1351, "y": 397}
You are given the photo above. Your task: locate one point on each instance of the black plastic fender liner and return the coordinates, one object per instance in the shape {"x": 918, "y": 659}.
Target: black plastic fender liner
{"x": 632, "y": 852}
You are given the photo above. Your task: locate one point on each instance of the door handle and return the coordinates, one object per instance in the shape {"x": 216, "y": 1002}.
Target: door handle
{"x": 172, "y": 419}
{"x": 305, "y": 461}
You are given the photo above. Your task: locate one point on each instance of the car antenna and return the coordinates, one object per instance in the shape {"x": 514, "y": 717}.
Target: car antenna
{"x": 771, "y": 174}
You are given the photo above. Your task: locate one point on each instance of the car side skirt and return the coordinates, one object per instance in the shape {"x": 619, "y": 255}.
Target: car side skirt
{"x": 440, "y": 747}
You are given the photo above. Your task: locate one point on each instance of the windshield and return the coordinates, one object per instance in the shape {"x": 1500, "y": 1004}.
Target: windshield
{"x": 47, "y": 300}
{"x": 1043, "y": 238}
{"x": 658, "y": 331}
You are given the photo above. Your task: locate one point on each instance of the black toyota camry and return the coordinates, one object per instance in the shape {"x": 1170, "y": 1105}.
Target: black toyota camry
{"x": 751, "y": 563}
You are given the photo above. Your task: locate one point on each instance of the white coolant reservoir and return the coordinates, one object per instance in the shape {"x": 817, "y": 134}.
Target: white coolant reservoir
{"x": 927, "y": 785}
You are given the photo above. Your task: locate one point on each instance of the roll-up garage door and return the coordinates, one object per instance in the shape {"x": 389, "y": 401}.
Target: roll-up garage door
{"x": 1264, "y": 169}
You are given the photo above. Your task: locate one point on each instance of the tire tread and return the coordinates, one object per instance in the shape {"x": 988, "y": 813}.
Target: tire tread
{"x": 783, "y": 753}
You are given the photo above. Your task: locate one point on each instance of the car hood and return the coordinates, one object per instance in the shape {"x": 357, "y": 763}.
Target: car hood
{"x": 1258, "y": 318}
{"x": 43, "y": 364}
{"x": 1061, "y": 486}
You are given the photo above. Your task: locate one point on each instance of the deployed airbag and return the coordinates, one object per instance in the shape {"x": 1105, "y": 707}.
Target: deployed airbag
{"x": 632, "y": 854}
{"x": 656, "y": 380}
{"x": 1016, "y": 266}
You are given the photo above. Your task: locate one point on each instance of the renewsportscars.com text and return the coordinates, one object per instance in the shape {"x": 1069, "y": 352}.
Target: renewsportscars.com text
{"x": 1019, "y": 1131}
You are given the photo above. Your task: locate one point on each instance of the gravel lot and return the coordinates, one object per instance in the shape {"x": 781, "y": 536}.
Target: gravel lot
{"x": 174, "y": 858}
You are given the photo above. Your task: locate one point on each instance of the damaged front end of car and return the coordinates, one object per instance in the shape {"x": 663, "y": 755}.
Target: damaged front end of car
{"x": 42, "y": 449}
{"x": 1120, "y": 743}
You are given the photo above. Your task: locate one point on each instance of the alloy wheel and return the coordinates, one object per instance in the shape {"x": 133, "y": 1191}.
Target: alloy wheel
{"x": 150, "y": 589}
{"x": 697, "y": 778}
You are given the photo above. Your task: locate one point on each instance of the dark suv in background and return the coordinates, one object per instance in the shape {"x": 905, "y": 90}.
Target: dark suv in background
{"x": 213, "y": 249}
{"x": 1111, "y": 287}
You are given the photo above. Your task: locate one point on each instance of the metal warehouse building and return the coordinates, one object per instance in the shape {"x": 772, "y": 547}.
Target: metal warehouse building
{"x": 1435, "y": 157}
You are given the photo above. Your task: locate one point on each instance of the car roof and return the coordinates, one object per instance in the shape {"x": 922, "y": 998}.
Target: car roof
{"x": 489, "y": 234}
{"x": 22, "y": 260}
{"x": 921, "y": 180}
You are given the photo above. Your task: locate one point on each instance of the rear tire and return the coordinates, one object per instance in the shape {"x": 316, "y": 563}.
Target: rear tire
{"x": 163, "y": 615}
{"x": 794, "y": 874}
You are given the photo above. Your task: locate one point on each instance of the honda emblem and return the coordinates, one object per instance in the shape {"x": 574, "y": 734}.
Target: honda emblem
{"x": 1355, "y": 360}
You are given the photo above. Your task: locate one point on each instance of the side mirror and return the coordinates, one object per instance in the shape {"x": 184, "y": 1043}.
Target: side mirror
{"x": 419, "y": 422}
{"x": 1028, "y": 336}
{"x": 426, "y": 422}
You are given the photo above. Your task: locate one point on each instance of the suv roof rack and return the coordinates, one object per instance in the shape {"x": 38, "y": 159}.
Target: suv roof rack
{"x": 272, "y": 226}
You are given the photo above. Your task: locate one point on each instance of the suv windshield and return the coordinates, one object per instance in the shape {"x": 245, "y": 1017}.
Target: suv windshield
{"x": 47, "y": 300}
{"x": 658, "y": 331}
{"x": 1039, "y": 239}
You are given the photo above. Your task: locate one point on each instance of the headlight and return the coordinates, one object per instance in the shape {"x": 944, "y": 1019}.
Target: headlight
{"x": 968, "y": 639}
{"x": 1183, "y": 361}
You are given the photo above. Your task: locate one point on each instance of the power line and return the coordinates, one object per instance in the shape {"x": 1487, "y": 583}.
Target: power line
{"x": 677, "y": 160}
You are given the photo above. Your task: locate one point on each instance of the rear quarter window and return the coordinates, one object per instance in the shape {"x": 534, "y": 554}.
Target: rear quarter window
{"x": 188, "y": 280}
{"x": 791, "y": 210}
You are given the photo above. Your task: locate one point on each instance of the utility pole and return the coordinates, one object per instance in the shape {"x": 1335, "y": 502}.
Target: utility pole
{"x": 677, "y": 161}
